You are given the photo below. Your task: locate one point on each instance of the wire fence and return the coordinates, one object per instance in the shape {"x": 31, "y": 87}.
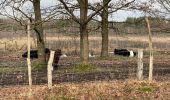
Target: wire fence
{"x": 13, "y": 68}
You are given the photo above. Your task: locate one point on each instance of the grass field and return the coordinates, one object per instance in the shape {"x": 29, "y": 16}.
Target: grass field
{"x": 107, "y": 79}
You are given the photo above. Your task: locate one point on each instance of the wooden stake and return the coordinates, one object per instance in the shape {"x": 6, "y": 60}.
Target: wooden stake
{"x": 140, "y": 64}
{"x": 50, "y": 68}
{"x": 150, "y": 50}
{"x": 28, "y": 55}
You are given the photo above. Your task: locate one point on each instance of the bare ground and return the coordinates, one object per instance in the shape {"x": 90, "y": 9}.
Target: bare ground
{"x": 13, "y": 70}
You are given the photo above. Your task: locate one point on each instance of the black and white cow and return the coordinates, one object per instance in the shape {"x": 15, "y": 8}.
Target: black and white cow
{"x": 124, "y": 52}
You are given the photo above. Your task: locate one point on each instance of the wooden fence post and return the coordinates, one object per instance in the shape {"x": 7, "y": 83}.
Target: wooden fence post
{"x": 50, "y": 68}
{"x": 140, "y": 64}
{"x": 150, "y": 50}
{"x": 28, "y": 60}
{"x": 28, "y": 55}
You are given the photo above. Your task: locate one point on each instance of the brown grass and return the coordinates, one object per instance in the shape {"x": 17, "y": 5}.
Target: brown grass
{"x": 132, "y": 38}
{"x": 69, "y": 43}
{"x": 113, "y": 90}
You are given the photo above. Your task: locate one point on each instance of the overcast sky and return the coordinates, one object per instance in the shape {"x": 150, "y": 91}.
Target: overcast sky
{"x": 117, "y": 16}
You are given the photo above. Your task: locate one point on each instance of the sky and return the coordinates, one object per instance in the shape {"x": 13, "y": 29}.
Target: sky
{"x": 122, "y": 15}
{"x": 118, "y": 16}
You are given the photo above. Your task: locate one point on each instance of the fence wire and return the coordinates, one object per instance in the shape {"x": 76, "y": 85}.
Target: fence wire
{"x": 13, "y": 68}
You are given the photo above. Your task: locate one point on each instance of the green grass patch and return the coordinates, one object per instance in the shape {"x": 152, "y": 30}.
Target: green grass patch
{"x": 12, "y": 69}
{"x": 37, "y": 65}
{"x": 84, "y": 68}
{"x": 145, "y": 89}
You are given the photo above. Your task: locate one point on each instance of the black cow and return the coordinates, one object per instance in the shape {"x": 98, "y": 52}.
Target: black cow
{"x": 124, "y": 52}
{"x": 34, "y": 55}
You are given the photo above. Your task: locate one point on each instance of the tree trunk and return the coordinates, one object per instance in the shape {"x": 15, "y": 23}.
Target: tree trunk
{"x": 39, "y": 33}
{"x": 105, "y": 38}
{"x": 84, "y": 43}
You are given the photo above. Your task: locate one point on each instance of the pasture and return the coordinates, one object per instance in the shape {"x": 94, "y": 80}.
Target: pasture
{"x": 102, "y": 74}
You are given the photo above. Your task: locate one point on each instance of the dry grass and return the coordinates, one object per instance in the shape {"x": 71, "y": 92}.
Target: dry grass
{"x": 114, "y": 90}
{"x": 14, "y": 44}
{"x": 125, "y": 38}
{"x": 68, "y": 43}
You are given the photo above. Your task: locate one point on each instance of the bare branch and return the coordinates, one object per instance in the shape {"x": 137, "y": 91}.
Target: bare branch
{"x": 165, "y": 4}
{"x": 70, "y": 12}
{"x": 123, "y": 6}
{"x": 97, "y": 11}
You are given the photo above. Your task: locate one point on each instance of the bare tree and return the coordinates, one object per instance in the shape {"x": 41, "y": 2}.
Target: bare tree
{"x": 24, "y": 10}
{"x": 82, "y": 6}
{"x": 109, "y": 9}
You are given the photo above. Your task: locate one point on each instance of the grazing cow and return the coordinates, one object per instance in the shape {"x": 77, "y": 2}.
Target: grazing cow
{"x": 124, "y": 52}
{"x": 34, "y": 55}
